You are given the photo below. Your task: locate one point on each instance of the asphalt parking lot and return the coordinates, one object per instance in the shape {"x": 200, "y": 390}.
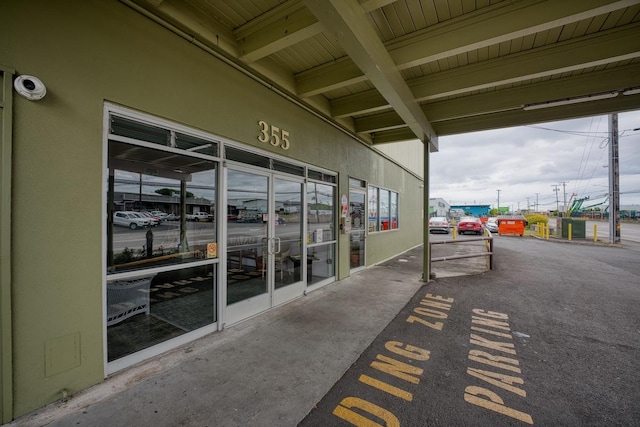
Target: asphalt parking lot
{"x": 550, "y": 337}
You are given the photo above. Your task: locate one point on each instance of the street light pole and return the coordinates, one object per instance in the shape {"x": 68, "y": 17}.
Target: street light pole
{"x": 498, "y": 201}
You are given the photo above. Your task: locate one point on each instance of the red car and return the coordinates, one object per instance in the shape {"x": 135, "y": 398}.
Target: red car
{"x": 469, "y": 224}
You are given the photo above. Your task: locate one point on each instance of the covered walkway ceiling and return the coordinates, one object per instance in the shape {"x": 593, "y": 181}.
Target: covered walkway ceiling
{"x": 401, "y": 70}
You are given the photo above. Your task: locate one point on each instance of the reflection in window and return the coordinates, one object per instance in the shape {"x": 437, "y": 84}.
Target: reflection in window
{"x": 357, "y": 241}
{"x": 383, "y": 209}
{"x": 196, "y": 145}
{"x": 140, "y": 131}
{"x": 288, "y": 231}
{"x": 321, "y": 176}
{"x": 373, "y": 208}
{"x": 321, "y": 233}
{"x": 161, "y": 217}
{"x": 145, "y": 311}
{"x": 160, "y": 214}
{"x": 247, "y": 207}
{"x": 121, "y": 126}
{"x": 394, "y": 210}
{"x": 320, "y": 263}
{"x": 320, "y": 210}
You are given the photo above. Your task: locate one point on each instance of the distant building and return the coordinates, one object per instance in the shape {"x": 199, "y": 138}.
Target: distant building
{"x": 438, "y": 207}
{"x": 474, "y": 210}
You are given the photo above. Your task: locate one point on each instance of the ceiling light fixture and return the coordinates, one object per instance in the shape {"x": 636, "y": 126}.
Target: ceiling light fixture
{"x": 569, "y": 101}
{"x": 631, "y": 91}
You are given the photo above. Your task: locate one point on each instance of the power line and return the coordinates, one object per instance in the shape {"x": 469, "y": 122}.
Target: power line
{"x": 605, "y": 134}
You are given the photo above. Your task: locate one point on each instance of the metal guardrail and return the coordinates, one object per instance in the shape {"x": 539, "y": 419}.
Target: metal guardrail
{"x": 488, "y": 239}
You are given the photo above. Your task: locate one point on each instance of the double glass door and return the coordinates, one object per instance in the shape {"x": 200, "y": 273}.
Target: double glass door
{"x": 264, "y": 228}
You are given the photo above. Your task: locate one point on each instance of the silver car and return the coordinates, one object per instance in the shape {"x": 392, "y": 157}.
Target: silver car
{"x": 492, "y": 225}
{"x": 132, "y": 220}
{"x": 439, "y": 224}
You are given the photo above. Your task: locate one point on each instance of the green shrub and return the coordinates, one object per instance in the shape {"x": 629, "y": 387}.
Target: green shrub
{"x": 536, "y": 218}
{"x": 127, "y": 255}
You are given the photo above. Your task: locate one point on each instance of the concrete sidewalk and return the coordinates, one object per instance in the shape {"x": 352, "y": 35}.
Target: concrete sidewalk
{"x": 267, "y": 371}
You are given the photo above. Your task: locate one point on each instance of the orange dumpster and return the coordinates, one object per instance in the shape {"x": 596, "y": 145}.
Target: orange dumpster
{"x": 511, "y": 224}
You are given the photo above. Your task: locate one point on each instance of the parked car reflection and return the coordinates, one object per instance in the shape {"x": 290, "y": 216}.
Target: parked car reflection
{"x": 130, "y": 219}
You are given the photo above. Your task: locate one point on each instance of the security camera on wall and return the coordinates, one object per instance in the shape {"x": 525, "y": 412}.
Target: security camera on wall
{"x": 30, "y": 87}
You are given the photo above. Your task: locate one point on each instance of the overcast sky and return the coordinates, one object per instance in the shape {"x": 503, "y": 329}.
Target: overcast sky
{"x": 526, "y": 163}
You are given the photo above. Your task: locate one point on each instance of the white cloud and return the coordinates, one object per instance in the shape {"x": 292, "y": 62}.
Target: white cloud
{"x": 526, "y": 163}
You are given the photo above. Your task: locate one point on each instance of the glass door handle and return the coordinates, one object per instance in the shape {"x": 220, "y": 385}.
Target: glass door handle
{"x": 273, "y": 245}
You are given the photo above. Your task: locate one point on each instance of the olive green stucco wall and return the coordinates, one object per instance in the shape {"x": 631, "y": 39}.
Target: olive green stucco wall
{"x": 89, "y": 52}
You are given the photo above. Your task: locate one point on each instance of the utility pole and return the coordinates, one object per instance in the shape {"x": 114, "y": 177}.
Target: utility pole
{"x": 564, "y": 203}
{"x": 614, "y": 181}
{"x": 555, "y": 188}
{"x": 527, "y": 205}
{"x": 498, "y": 201}
{"x": 537, "y": 202}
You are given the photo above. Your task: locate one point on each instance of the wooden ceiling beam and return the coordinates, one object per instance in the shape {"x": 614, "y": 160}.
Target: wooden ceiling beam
{"x": 615, "y": 45}
{"x": 503, "y": 22}
{"x": 275, "y": 30}
{"x": 500, "y": 101}
{"x": 347, "y": 23}
{"x": 618, "y": 104}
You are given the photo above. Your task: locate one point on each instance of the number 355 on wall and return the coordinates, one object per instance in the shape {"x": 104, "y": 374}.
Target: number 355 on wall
{"x": 274, "y": 135}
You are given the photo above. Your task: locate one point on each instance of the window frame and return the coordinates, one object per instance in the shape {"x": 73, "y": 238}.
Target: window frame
{"x": 376, "y": 221}
{"x": 110, "y": 111}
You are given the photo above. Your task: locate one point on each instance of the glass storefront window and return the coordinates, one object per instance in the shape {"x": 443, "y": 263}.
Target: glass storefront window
{"x": 373, "y": 209}
{"x": 161, "y": 235}
{"x": 320, "y": 211}
{"x": 321, "y": 176}
{"x": 320, "y": 263}
{"x": 147, "y": 310}
{"x": 247, "y": 157}
{"x": 159, "y": 214}
{"x": 247, "y": 211}
{"x": 196, "y": 145}
{"x": 394, "y": 210}
{"x": 134, "y": 129}
{"x": 161, "y": 232}
{"x": 287, "y": 167}
{"x": 384, "y": 210}
{"x": 321, "y": 234}
{"x": 139, "y": 131}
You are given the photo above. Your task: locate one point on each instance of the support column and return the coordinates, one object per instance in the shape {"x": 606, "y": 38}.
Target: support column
{"x": 6, "y": 328}
{"x": 426, "y": 270}
{"x": 614, "y": 181}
